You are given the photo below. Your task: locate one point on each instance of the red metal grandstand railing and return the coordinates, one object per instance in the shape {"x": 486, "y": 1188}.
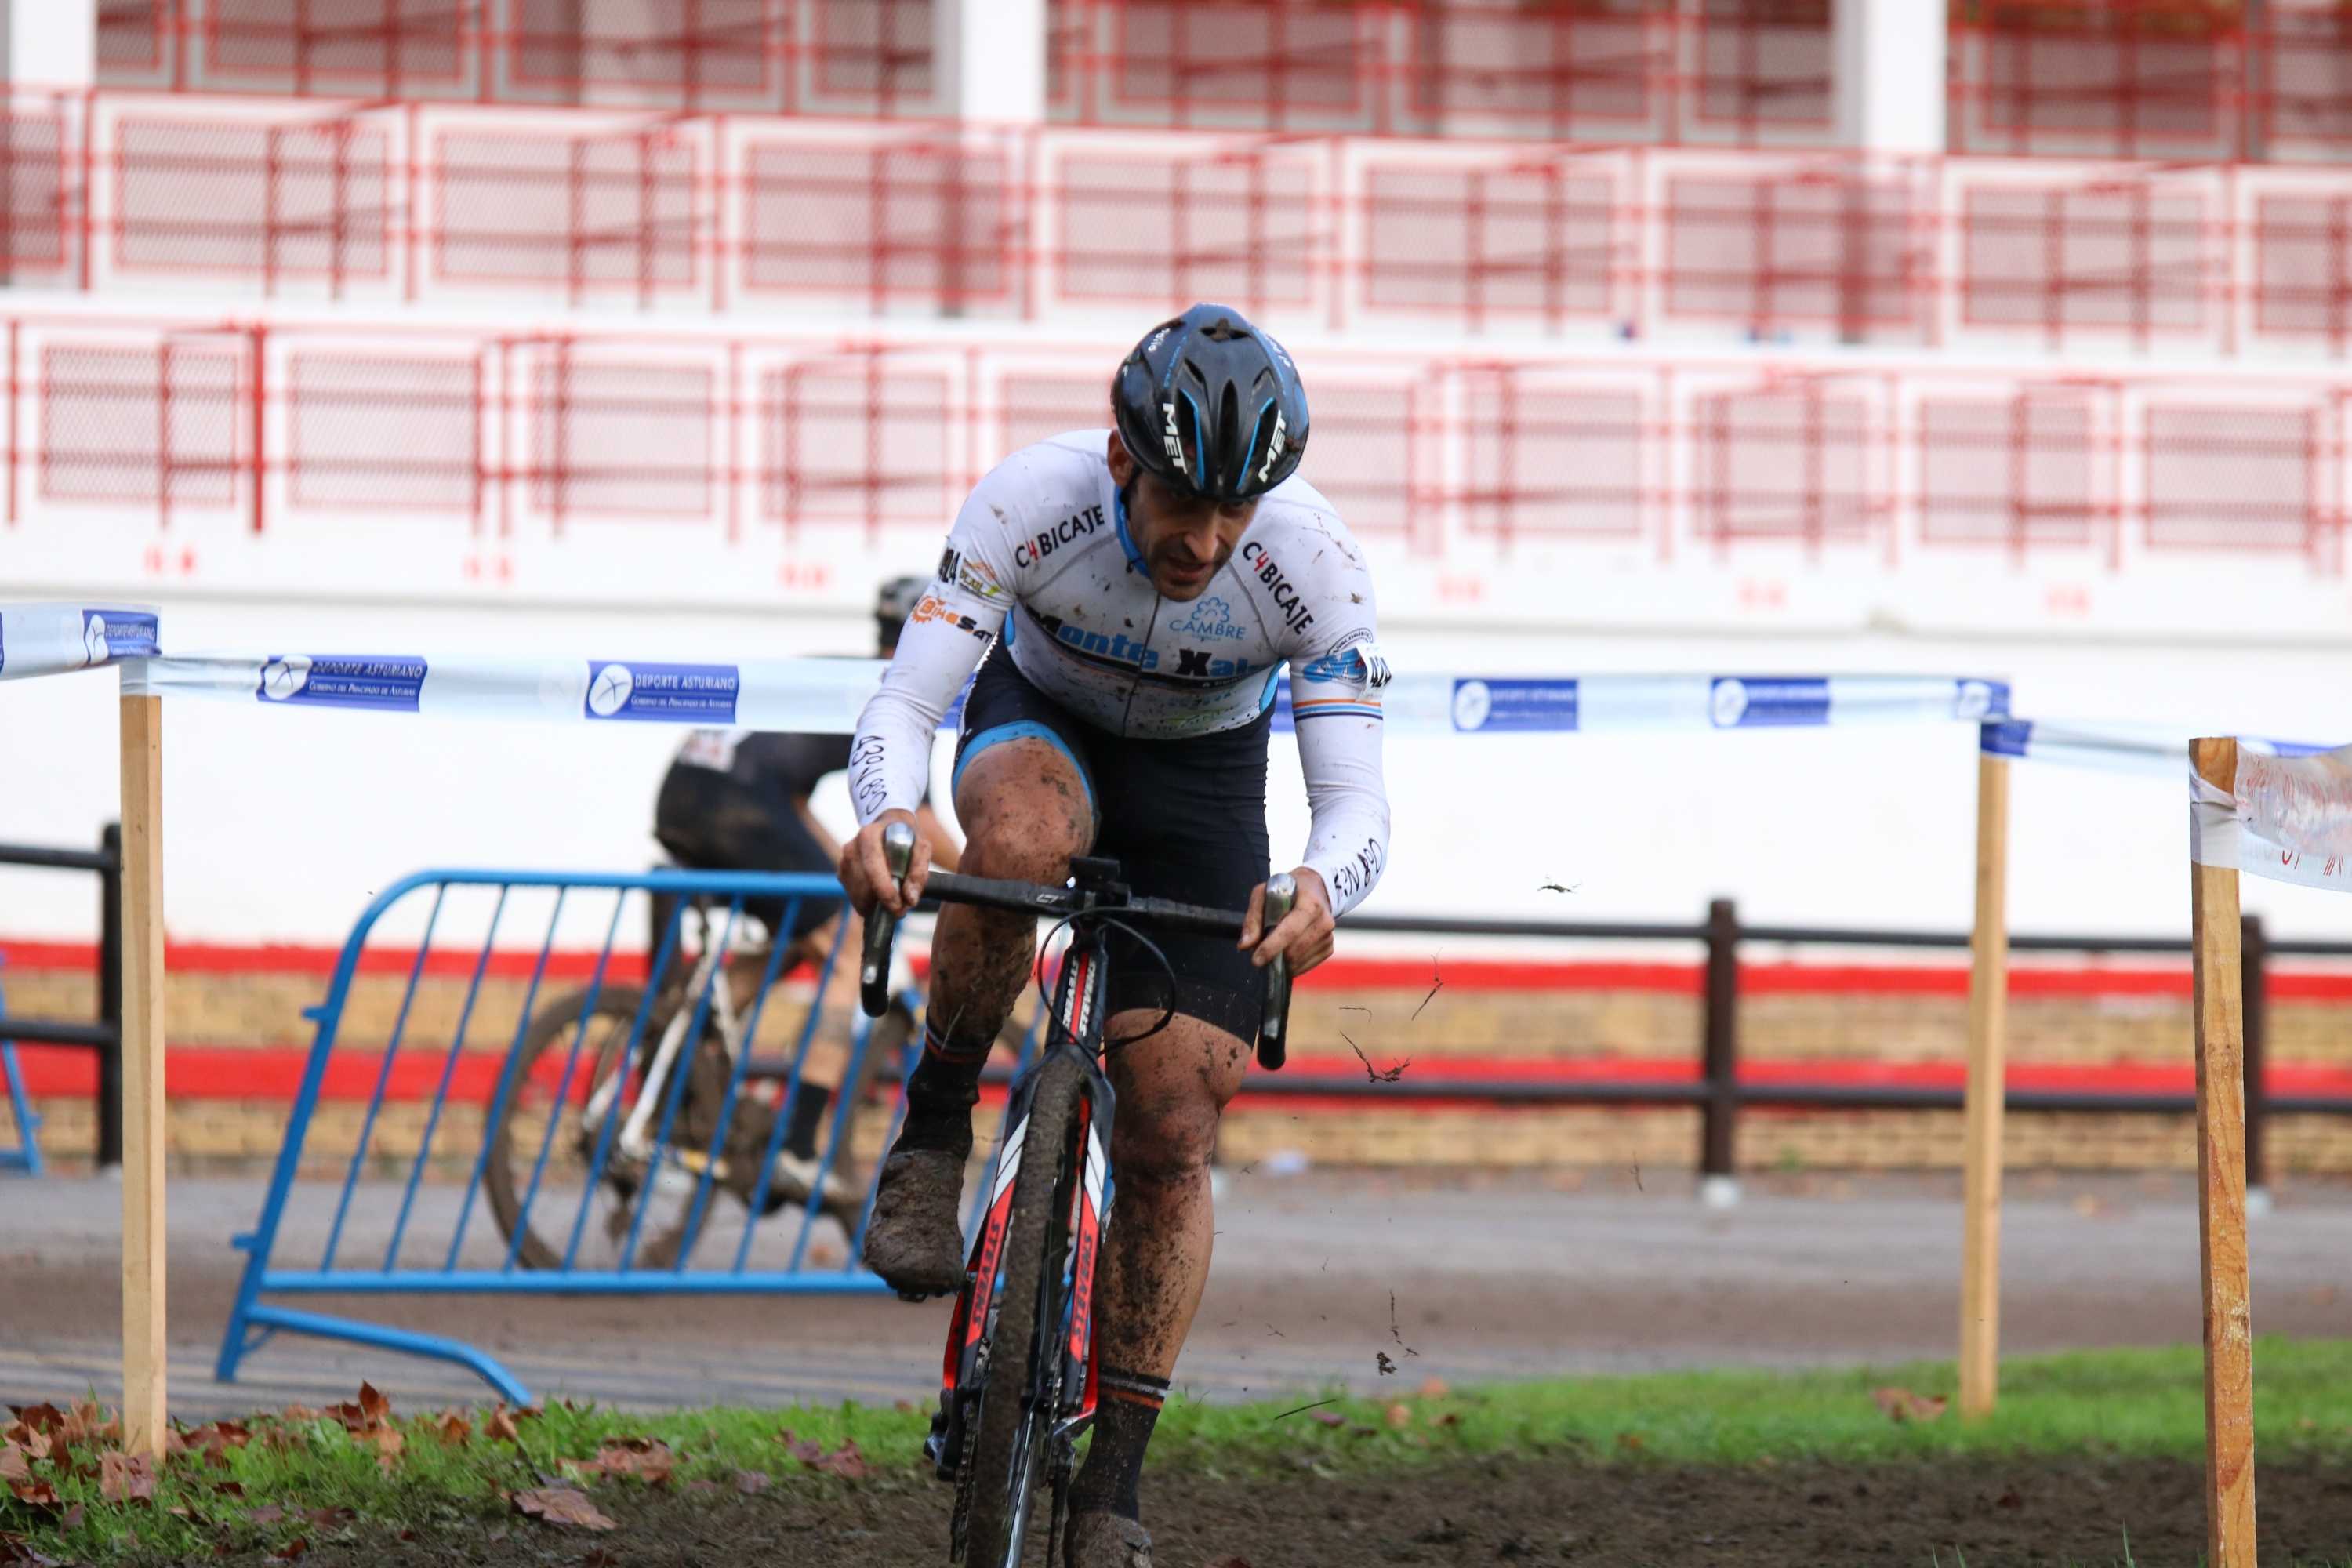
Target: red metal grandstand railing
{"x": 308, "y": 430}
{"x": 396, "y": 203}
{"x": 2255, "y": 79}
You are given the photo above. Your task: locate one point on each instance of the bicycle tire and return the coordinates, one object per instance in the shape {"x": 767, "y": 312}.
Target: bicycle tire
{"x": 999, "y": 1468}
{"x": 554, "y": 1026}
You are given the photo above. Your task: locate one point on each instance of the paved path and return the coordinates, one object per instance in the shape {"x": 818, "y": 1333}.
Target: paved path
{"x": 1490, "y": 1279}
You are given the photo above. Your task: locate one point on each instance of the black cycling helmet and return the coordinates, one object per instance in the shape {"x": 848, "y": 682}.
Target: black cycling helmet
{"x": 1212, "y": 406}
{"x": 893, "y": 602}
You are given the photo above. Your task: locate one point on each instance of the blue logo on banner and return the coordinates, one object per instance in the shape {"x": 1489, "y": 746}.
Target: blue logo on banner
{"x": 1486, "y": 705}
{"x": 663, "y": 693}
{"x": 333, "y": 680}
{"x": 118, "y": 634}
{"x": 1736, "y": 703}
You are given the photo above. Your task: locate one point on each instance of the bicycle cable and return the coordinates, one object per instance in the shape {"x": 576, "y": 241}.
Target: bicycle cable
{"x": 1167, "y": 1012}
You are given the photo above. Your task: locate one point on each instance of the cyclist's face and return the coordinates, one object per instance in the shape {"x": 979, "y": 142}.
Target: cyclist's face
{"x": 1183, "y": 538}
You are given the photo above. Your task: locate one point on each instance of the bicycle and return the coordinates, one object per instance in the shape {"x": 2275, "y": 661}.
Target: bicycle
{"x": 627, "y": 1142}
{"x": 1020, "y": 1370}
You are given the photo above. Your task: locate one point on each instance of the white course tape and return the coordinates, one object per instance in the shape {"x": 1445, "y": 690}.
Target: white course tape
{"x": 51, "y": 639}
{"x": 825, "y": 696}
{"x": 2155, "y": 750}
{"x": 2290, "y": 819}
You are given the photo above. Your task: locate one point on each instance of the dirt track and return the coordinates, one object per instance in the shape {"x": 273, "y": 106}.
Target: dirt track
{"x": 1538, "y": 1510}
{"x": 1491, "y": 1279}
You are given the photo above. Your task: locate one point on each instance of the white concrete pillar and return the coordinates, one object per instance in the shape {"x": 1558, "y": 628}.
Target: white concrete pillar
{"x": 50, "y": 43}
{"x": 991, "y": 59}
{"x": 1887, "y": 74}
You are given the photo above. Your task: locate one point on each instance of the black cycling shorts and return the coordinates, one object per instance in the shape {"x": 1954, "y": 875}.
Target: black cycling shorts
{"x": 710, "y": 822}
{"x": 1184, "y": 819}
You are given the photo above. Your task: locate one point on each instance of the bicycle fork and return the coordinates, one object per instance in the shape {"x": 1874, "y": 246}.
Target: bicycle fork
{"x": 1065, "y": 1374}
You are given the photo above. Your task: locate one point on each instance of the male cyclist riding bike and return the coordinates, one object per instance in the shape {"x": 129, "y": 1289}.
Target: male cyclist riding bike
{"x": 737, "y": 800}
{"x": 1148, "y": 581}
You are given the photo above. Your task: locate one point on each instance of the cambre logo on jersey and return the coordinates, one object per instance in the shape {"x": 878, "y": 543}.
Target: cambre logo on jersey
{"x": 1071, "y": 529}
{"x": 1294, "y": 613}
{"x": 1210, "y": 619}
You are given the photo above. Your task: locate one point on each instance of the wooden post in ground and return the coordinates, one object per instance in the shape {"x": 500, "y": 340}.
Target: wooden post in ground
{"x": 2222, "y": 1190}
{"x": 144, "y": 1103}
{"x": 1987, "y": 1085}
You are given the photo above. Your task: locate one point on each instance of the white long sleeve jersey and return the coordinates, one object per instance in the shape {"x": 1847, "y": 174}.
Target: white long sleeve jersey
{"x": 1040, "y": 555}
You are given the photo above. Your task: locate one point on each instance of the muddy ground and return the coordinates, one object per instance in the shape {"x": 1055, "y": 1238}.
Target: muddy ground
{"x": 1532, "y": 1510}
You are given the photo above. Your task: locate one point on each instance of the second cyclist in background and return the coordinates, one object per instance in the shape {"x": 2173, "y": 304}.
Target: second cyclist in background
{"x": 738, "y": 800}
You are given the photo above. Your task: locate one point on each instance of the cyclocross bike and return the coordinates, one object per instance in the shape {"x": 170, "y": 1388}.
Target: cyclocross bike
{"x": 576, "y": 1067}
{"x": 1019, "y": 1373}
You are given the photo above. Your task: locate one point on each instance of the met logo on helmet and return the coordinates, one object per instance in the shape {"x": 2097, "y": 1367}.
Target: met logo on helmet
{"x": 1168, "y": 435}
{"x": 1272, "y": 448}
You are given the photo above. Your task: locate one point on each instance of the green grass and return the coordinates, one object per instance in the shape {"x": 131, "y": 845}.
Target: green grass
{"x": 2120, "y": 1403}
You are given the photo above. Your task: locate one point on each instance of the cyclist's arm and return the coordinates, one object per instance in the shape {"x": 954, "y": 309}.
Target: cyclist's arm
{"x": 1335, "y": 700}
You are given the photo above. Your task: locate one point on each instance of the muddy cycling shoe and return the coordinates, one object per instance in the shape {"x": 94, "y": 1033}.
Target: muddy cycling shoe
{"x": 1106, "y": 1541}
{"x": 915, "y": 1240}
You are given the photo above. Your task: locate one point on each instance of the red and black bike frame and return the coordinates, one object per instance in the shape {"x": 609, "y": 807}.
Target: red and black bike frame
{"x": 1076, "y": 1029}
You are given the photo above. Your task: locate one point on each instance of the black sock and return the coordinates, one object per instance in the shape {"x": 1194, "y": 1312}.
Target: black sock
{"x": 942, "y": 1091}
{"x": 809, "y": 1107}
{"x": 1128, "y": 1410}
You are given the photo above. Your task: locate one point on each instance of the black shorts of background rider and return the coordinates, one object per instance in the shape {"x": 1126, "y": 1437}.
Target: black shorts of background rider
{"x": 709, "y": 822}
{"x": 1184, "y": 819}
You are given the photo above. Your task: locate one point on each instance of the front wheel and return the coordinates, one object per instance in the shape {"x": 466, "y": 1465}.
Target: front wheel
{"x": 1019, "y": 1385}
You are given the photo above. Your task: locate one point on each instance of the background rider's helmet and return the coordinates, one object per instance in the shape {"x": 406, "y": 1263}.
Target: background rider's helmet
{"x": 893, "y": 602}
{"x": 1212, "y": 406}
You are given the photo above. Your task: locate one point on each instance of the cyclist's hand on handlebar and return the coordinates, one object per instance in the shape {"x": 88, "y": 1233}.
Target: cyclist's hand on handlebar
{"x": 865, "y": 872}
{"x": 1304, "y": 936}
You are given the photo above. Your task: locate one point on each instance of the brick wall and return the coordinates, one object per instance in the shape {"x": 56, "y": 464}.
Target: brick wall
{"x": 260, "y": 1011}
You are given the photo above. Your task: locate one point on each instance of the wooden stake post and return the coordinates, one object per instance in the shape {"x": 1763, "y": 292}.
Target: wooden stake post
{"x": 2221, "y": 1192}
{"x": 1987, "y": 1085}
{"x": 143, "y": 1102}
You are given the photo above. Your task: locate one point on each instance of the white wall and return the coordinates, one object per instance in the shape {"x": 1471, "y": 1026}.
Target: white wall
{"x": 281, "y": 825}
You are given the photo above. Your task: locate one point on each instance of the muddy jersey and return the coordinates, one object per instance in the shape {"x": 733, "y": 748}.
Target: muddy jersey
{"x": 1040, "y": 557}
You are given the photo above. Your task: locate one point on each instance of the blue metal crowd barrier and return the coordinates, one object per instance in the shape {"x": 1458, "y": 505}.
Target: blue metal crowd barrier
{"x": 666, "y": 1111}
{"x": 27, "y": 1155}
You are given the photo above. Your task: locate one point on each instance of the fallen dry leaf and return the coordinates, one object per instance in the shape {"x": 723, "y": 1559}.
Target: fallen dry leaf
{"x": 388, "y": 1444}
{"x": 328, "y": 1518}
{"x": 373, "y": 1407}
{"x": 648, "y": 1459}
{"x": 86, "y": 1421}
{"x": 1902, "y": 1404}
{"x": 126, "y": 1477}
{"x": 752, "y": 1483}
{"x": 299, "y": 1412}
{"x": 291, "y": 1549}
{"x": 453, "y": 1427}
{"x": 561, "y": 1505}
{"x": 46, "y": 1419}
{"x": 847, "y": 1461}
{"x": 14, "y": 1465}
{"x": 1327, "y": 1418}
{"x": 1434, "y": 1387}
{"x": 1451, "y": 1418}
{"x": 35, "y": 1494}
{"x": 807, "y": 1453}
{"x": 268, "y": 1513}
{"x": 499, "y": 1425}
{"x": 1632, "y": 1442}
{"x": 1399, "y": 1417}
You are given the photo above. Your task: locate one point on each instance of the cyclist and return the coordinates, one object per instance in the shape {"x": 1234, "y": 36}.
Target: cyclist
{"x": 738, "y": 801}
{"x": 1134, "y": 591}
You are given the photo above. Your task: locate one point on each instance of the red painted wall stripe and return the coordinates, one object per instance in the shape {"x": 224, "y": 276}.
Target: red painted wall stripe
{"x": 274, "y": 1072}
{"x": 1367, "y": 973}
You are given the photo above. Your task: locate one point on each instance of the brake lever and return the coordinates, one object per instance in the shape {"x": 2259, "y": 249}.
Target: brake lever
{"x": 881, "y": 926}
{"x": 1273, "y": 1028}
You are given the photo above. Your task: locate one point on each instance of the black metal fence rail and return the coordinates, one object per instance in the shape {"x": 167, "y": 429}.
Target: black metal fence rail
{"x": 104, "y": 1036}
{"x": 1720, "y": 1097}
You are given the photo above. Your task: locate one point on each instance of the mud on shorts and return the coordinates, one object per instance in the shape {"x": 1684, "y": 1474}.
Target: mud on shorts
{"x": 709, "y": 821}
{"x": 1184, "y": 819}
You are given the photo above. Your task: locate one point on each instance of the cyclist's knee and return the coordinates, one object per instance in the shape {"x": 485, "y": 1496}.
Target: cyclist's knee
{"x": 1165, "y": 1144}
{"x": 1026, "y": 810}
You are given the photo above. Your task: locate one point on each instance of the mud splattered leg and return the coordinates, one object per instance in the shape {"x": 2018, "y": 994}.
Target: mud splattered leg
{"x": 1172, "y": 1087}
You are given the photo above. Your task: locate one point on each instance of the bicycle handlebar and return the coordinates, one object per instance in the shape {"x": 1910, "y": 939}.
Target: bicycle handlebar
{"x": 1035, "y": 898}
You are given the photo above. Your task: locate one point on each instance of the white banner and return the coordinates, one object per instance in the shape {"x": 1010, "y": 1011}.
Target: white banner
{"x": 51, "y": 639}
{"x": 2289, "y": 818}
